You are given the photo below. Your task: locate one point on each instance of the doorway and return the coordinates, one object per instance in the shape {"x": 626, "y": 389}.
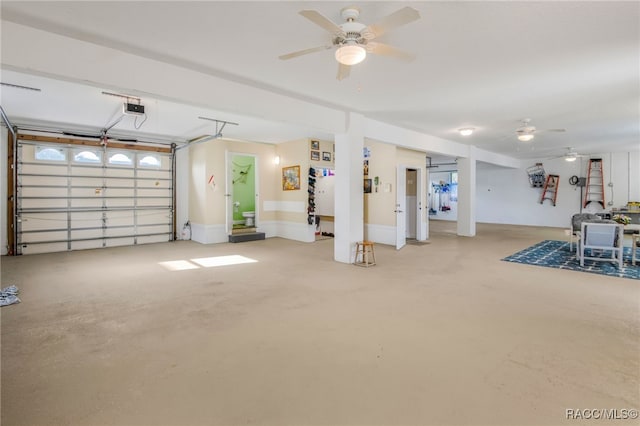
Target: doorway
{"x": 242, "y": 214}
{"x": 408, "y": 205}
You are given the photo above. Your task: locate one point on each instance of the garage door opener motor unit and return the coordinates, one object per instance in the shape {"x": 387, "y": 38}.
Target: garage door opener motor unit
{"x": 132, "y": 109}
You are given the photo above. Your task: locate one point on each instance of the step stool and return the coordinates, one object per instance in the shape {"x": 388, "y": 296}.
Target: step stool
{"x": 364, "y": 250}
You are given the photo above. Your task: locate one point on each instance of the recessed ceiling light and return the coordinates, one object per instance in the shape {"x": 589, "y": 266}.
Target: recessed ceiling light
{"x": 466, "y": 131}
{"x": 525, "y": 137}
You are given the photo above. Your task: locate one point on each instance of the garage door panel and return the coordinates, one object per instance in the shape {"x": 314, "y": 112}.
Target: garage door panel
{"x": 117, "y": 242}
{"x": 120, "y": 219}
{"x": 154, "y": 174}
{"x": 87, "y": 191}
{"x": 84, "y": 203}
{"x": 40, "y": 221}
{"x": 153, "y": 216}
{"x": 119, "y": 173}
{"x": 43, "y": 169}
{"x": 43, "y": 248}
{"x": 152, "y": 239}
{"x": 155, "y": 229}
{"x": 28, "y": 192}
{"x": 43, "y": 180}
{"x": 86, "y": 245}
{"x": 120, "y": 192}
{"x": 113, "y": 182}
{"x": 79, "y": 172}
{"x": 120, "y": 232}
{"x": 157, "y": 184}
{"x": 90, "y": 206}
{"x": 154, "y": 192}
{"x": 120, "y": 203}
{"x": 86, "y": 219}
{"x": 154, "y": 202}
{"x": 86, "y": 234}
{"x": 32, "y": 237}
{"x": 40, "y": 204}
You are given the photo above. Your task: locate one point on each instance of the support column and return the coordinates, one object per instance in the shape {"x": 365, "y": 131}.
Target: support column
{"x": 467, "y": 195}
{"x": 349, "y": 197}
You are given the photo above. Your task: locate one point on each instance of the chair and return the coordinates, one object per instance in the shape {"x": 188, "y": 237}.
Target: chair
{"x": 576, "y": 221}
{"x": 602, "y": 237}
{"x": 634, "y": 247}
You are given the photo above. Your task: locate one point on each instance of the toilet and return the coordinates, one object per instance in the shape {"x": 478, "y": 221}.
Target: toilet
{"x": 249, "y": 218}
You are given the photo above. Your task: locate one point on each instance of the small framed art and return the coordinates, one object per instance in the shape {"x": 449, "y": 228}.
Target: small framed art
{"x": 290, "y": 178}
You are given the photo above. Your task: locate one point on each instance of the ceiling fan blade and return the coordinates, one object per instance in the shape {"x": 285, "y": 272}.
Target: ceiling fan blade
{"x": 343, "y": 71}
{"x": 322, "y": 21}
{"x": 395, "y": 20}
{"x": 303, "y": 52}
{"x": 386, "y": 50}
{"x": 554, "y": 130}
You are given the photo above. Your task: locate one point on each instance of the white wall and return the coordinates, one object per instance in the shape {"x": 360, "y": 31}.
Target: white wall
{"x": 505, "y": 195}
{"x": 3, "y": 190}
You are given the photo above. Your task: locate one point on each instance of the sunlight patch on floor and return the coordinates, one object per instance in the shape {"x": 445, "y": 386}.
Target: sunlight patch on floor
{"x": 205, "y": 262}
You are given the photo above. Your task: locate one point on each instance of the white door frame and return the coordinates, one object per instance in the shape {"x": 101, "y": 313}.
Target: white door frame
{"x": 229, "y": 187}
{"x": 419, "y": 197}
{"x": 401, "y": 195}
{"x": 401, "y": 204}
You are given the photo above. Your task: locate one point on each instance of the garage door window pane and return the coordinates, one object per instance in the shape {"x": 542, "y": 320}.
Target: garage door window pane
{"x": 120, "y": 159}
{"x": 50, "y": 154}
{"x": 149, "y": 160}
{"x": 91, "y": 157}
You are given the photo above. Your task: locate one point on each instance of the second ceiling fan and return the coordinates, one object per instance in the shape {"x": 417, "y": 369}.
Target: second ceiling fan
{"x": 527, "y": 132}
{"x": 353, "y": 40}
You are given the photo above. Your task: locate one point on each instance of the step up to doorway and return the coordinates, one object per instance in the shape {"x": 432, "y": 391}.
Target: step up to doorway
{"x": 241, "y": 229}
{"x": 249, "y": 236}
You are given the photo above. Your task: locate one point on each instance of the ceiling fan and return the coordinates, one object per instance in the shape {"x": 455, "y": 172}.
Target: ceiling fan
{"x": 570, "y": 156}
{"x": 353, "y": 39}
{"x": 527, "y": 132}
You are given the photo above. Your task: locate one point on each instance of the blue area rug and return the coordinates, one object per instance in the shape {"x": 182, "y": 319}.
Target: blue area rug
{"x": 556, "y": 254}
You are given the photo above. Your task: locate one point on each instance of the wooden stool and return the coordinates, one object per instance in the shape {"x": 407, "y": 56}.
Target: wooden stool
{"x": 364, "y": 249}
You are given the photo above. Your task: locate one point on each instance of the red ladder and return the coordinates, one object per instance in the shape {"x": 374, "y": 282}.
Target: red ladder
{"x": 595, "y": 183}
{"x": 550, "y": 190}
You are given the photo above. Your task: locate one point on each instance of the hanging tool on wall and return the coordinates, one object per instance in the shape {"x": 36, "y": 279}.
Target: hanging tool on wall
{"x": 550, "y": 190}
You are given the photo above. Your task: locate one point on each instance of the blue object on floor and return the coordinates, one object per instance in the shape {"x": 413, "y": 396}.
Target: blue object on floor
{"x": 556, "y": 254}
{"x": 8, "y": 296}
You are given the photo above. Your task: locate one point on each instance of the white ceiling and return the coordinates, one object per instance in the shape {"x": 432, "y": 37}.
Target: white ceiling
{"x": 573, "y": 65}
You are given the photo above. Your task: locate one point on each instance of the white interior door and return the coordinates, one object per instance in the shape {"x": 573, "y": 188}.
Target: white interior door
{"x": 401, "y": 207}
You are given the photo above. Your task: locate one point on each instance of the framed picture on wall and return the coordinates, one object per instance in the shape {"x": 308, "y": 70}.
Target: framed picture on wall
{"x": 326, "y": 156}
{"x": 315, "y": 155}
{"x": 315, "y": 145}
{"x": 367, "y": 186}
{"x": 290, "y": 178}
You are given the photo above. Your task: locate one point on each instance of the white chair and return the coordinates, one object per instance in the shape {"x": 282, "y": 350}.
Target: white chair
{"x": 576, "y": 221}
{"x": 604, "y": 237}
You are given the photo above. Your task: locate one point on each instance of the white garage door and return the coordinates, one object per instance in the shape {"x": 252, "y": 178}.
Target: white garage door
{"x": 73, "y": 197}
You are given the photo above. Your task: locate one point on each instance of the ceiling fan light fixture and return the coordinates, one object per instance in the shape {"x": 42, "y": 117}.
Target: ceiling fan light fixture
{"x": 570, "y": 158}
{"x": 350, "y": 54}
{"x": 525, "y": 137}
{"x": 466, "y": 131}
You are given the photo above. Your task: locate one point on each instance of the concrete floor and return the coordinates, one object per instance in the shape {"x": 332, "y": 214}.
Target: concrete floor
{"x": 437, "y": 334}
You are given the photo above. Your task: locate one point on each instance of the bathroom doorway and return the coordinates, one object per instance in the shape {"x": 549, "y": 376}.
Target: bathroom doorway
{"x": 242, "y": 208}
